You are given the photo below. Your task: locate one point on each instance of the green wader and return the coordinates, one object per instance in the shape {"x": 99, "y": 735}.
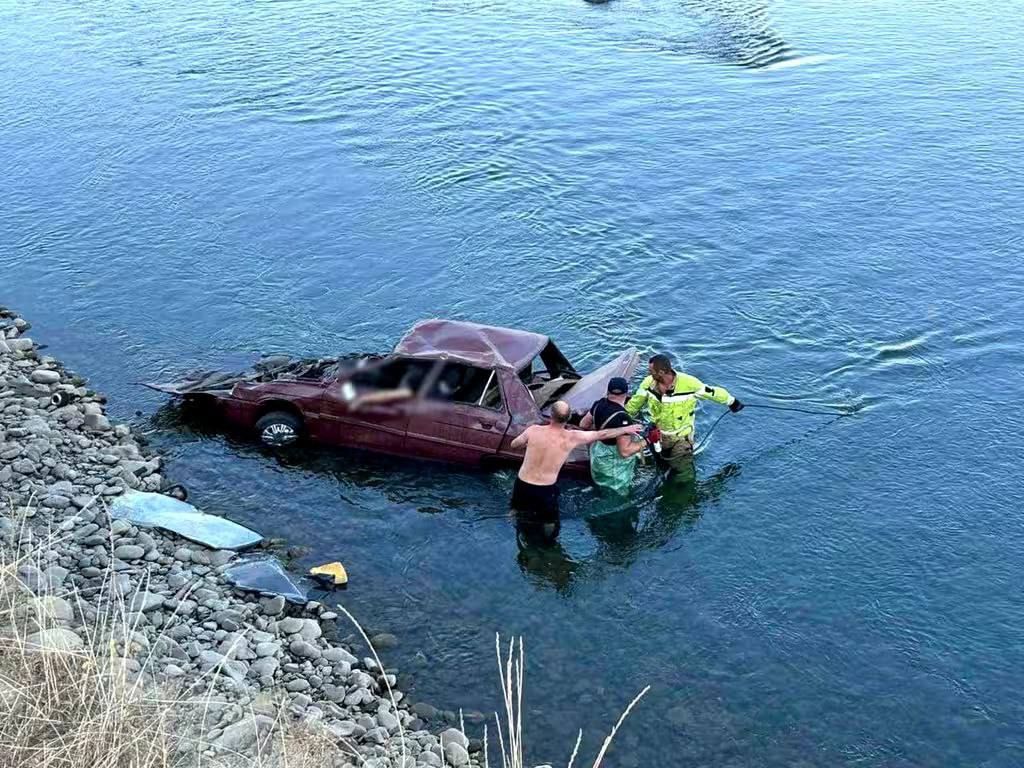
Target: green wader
{"x": 610, "y": 470}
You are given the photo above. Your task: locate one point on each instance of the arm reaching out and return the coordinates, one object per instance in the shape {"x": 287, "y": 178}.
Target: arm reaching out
{"x": 586, "y": 438}
{"x": 522, "y": 439}
{"x": 638, "y": 401}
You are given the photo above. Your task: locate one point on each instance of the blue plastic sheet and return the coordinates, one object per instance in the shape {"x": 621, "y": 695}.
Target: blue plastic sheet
{"x": 158, "y": 511}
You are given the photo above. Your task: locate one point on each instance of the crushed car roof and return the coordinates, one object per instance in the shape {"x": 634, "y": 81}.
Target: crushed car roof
{"x": 483, "y": 345}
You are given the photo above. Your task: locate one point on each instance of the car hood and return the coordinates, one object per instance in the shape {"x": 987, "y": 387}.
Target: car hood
{"x": 594, "y": 385}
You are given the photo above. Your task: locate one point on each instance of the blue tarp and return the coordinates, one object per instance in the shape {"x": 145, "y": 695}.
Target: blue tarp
{"x": 158, "y": 511}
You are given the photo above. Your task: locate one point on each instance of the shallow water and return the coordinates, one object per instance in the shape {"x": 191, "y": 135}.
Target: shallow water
{"x": 807, "y": 203}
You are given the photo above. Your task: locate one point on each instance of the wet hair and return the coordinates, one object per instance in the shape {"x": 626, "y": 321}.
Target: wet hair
{"x": 662, "y": 364}
{"x": 560, "y": 412}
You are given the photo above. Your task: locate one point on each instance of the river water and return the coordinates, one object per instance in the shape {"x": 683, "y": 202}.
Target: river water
{"x": 812, "y": 204}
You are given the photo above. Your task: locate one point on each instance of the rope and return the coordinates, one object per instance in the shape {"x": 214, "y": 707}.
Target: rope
{"x": 844, "y": 412}
{"x": 703, "y": 441}
{"x": 837, "y": 414}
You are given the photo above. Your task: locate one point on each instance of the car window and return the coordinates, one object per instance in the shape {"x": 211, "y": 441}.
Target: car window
{"x": 458, "y": 383}
{"x": 399, "y": 373}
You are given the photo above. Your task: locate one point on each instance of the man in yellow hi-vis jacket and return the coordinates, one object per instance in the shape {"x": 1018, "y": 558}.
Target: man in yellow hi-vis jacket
{"x": 670, "y": 399}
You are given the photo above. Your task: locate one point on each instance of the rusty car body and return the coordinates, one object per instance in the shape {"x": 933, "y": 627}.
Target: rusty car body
{"x": 463, "y": 392}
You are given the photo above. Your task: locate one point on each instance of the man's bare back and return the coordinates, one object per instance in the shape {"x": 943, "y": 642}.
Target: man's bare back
{"x": 548, "y": 445}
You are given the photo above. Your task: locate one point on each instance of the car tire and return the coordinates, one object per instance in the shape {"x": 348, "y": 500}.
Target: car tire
{"x": 279, "y": 429}
{"x": 60, "y": 399}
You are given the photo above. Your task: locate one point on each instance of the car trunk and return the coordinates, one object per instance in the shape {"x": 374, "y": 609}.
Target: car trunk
{"x": 594, "y": 385}
{"x": 275, "y": 368}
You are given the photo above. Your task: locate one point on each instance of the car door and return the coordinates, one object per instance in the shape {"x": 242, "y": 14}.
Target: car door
{"x": 374, "y": 426}
{"x": 462, "y": 416}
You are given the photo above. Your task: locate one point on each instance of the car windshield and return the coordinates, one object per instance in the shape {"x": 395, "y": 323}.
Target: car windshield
{"x": 548, "y": 376}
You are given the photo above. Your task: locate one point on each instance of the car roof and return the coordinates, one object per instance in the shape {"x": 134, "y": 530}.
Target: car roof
{"x": 482, "y": 345}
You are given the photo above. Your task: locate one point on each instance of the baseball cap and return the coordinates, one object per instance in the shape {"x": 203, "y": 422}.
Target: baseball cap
{"x": 618, "y": 386}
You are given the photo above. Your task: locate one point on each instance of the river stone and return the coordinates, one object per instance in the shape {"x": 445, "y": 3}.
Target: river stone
{"x": 338, "y": 655}
{"x": 55, "y": 576}
{"x": 146, "y": 601}
{"x": 166, "y": 646}
{"x": 24, "y": 467}
{"x": 265, "y": 667}
{"x": 344, "y": 729}
{"x": 55, "y": 639}
{"x": 229, "y": 620}
{"x": 272, "y": 606}
{"x": 429, "y": 759}
{"x": 424, "y": 710}
{"x": 43, "y": 376}
{"x": 304, "y": 650}
{"x": 298, "y": 685}
{"x": 51, "y": 609}
{"x": 120, "y": 527}
{"x": 32, "y": 578}
{"x": 243, "y": 735}
{"x": 129, "y": 552}
{"x": 383, "y": 641}
{"x": 267, "y": 649}
{"x": 457, "y": 755}
{"x": 387, "y": 720}
{"x": 23, "y": 344}
{"x": 210, "y": 660}
{"x": 97, "y": 421}
{"x": 454, "y": 736}
{"x": 290, "y": 625}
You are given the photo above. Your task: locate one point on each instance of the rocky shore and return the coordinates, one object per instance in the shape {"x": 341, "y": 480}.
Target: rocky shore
{"x": 61, "y": 461}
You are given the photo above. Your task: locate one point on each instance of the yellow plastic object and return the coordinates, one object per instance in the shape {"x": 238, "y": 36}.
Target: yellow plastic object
{"x": 333, "y": 573}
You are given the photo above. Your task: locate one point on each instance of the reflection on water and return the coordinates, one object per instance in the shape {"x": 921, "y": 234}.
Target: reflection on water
{"x": 191, "y": 185}
{"x": 672, "y": 503}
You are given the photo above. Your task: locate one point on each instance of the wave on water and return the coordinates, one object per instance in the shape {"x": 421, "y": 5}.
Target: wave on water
{"x": 734, "y": 32}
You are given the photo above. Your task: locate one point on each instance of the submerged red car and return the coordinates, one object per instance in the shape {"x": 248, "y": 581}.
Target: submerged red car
{"x": 451, "y": 391}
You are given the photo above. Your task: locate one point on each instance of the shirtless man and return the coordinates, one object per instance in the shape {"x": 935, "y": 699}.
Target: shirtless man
{"x": 547, "y": 448}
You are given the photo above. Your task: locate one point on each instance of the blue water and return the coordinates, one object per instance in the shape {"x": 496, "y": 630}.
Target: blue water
{"x": 811, "y": 204}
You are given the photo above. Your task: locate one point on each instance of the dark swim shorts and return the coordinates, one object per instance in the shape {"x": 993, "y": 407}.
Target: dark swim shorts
{"x": 538, "y": 501}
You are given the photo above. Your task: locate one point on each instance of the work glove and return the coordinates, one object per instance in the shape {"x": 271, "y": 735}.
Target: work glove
{"x": 736, "y": 406}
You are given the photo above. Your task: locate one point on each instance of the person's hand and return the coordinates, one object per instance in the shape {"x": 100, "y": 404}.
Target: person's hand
{"x": 736, "y": 406}
{"x": 634, "y": 429}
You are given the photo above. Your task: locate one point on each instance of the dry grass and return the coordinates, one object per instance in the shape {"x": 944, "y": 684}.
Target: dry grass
{"x": 512, "y": 671}
{"x": 90, "y": 707}
{"x": 98, "y": 707}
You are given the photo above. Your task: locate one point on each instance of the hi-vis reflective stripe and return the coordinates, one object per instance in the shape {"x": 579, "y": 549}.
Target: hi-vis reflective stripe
{"x": 678, "y": 398}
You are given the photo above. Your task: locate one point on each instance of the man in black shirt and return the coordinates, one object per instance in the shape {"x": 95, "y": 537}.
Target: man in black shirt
{"x": 613, "y": 462}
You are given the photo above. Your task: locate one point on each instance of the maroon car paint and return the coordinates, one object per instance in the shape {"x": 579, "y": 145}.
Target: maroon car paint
{"x": 420, "y": 427}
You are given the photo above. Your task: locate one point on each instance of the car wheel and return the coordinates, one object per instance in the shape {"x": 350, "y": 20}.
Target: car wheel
{"x": 279, "y": 429}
